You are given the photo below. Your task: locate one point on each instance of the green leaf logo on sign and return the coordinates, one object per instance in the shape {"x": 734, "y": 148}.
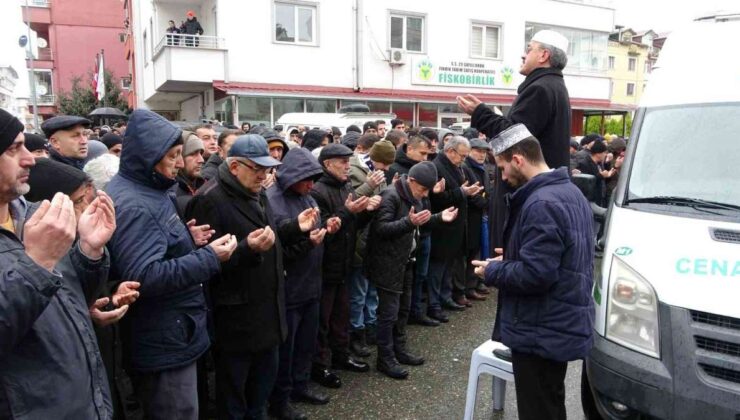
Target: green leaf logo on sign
{"x": 425, "y": 70}
{"x": 623, "y": 251}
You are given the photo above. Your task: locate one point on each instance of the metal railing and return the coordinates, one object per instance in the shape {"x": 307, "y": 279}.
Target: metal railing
{"x": 189, "y": 41}
{"x": 45, "y": 54}
{"x": 46, "y": 99}
{"x": 39, "y": 3}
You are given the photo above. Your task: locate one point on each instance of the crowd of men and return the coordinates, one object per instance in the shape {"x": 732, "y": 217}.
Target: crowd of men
{"x": 278, "y": 258}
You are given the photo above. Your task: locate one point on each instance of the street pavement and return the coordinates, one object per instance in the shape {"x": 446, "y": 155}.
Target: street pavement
{"x": 437, "y": 389}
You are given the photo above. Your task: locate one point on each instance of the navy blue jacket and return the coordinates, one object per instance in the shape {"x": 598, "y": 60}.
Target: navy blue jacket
{"x": 166, "y": 328}
{"x": 50, "y": 365}
{"x": 546, "y": 277}
{"x": 302, "y": 259}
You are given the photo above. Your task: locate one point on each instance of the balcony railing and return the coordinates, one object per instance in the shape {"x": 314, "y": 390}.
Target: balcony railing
{"x": 189, "y": 41}
{"x": 38, "y": 3}
{"x": 46, "y": 99}
{"x": 45, "y": 54}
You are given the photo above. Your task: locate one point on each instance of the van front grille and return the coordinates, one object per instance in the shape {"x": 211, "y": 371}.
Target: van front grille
{"x": 716, "y": 320}
{"x": 721, "y": 373}
{"x": 723, "y": 235}
{"x": 718, "y": 346}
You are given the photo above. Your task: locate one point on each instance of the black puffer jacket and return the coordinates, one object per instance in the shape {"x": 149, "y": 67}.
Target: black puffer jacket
{"x": 339, "y": 248}
{"x": 392, "y": 236}
{"x": 210, "y": 168}
{"x": 479, "y": 204}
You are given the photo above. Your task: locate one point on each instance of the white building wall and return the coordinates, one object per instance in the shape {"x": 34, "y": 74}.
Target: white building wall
{"x": 252, "y": 56}
{"x": 190, "y": 109}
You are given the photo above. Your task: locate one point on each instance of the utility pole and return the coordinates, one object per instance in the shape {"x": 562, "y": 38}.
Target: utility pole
{"x": 32, "y": 75}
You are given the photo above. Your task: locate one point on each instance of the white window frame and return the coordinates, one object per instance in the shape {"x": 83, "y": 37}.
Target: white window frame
{"x": 629, "y": 64}
{"x": 628, "y": 89}
{"x": 611, "y": 62}
{"x": 405, "y": 15}
{"x": 485, "y": 26}
{"x": 126, "y": 83}
{"x": 314, "y": 7}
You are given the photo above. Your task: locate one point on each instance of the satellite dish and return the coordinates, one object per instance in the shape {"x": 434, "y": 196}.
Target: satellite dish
{"x": 41, "y": 90}
{"x": 41, "y": 42}
{"x": 22, "y": 41}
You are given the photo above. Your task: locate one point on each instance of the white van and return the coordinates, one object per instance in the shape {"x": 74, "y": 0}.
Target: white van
{"x": 667, "y": 342}
{"x": 330, "y": 119}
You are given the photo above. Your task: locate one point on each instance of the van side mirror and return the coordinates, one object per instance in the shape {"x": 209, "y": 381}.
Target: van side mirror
{"x": 587, "y": 184}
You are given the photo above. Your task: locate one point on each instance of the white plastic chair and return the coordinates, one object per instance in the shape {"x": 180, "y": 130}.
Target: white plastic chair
{"x": 483, "y": 361}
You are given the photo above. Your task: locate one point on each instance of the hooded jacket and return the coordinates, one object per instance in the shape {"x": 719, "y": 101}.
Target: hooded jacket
{"x": 166, "y": 328}
{"x": 543, "y": 105}
{"x": 546, "y": 276}
{"x": 302, "y": 259}
{"x": 50, "y": 364}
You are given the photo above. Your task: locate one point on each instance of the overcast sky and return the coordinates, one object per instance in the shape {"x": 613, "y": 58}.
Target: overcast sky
{"x": 665, "y": 15}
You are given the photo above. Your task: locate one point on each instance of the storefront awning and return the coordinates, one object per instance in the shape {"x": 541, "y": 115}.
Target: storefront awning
{"x": 393, "y": 95}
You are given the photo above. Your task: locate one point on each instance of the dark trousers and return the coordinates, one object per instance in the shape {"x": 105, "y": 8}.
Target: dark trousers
{"x": 393, "y": 315}
{"x": 333, "y": 338}
{"x": 420, "y": 276}
{"x": 297, "y": 350}
{"x": 243, "y": 383}
{"x": 471, "y": 280}
{"x": 445, "y": 278}
{"x": 540, "y": 387}
{"x": 168, "y": 394}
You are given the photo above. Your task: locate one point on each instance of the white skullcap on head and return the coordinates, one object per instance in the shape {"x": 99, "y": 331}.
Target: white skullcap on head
{"x": 509, "y": 137}
{"x": 552, "y": 38}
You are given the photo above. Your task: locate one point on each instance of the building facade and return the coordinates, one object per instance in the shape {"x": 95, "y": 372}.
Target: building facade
{"x": 631, "y": 58}
{"x": 68, "y": 35}
{"x": 260, "y": 59}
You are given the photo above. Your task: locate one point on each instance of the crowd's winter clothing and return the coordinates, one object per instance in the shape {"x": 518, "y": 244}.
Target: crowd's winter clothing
{"x": 302, "y": 276}
{"x": 358, "y": 172}
{"x": 73, "y": 162}
{"x": 448, "y": 240}
{"x": 34, "y": 142}
{"x": 50, "y": 365}
{"x": 191, "y": 27}
{"x": 63, "y": 122}
{"x": 401, "y": 165}
{"x": 543, "y": 105}
{"x": 210, "y": 168}
{"x": 10, "y": 127}
{"x": 546, "y": 276}
{"x": 302, "y": 260}
{"x": 48, "y": 177}
{"x": 166, "y": 328}
{"x": 478, "y": 205}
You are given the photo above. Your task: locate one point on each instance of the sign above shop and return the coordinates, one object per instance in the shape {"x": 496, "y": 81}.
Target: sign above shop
{"x": 463, "y": 73}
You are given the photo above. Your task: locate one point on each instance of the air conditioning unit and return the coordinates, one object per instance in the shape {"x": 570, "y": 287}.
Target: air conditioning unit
{"x": 397, "y": 57}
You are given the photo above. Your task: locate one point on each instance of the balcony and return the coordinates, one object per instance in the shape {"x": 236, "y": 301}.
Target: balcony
{"x": 181, "y": 60}
{"x": 46, "y": 99}
{"x": 39, "y": 3}
{"x": 37, "y": 12}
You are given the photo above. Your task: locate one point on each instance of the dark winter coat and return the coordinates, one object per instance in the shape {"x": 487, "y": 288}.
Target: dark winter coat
{"x": 401, "y": 166}
{"x": 248, "y": 295}
{"x": 586, "y": 165}
{"x": 210, "y": 168}
{"x": 50, "y": 365}
{"x": 191, "y": 27}
{"x": 76, "y": 163}
{"x": 166, "y": 328}
{"x": 543, "y": 105}
{"x": 393, "y": 237}
{"x": 449, "y": 239}
{"x": 546, "y": 276}
{"x": 302, "y": 259}
{"x": 479, "y": 204}
{"x": 185, "y": 190}
{"x": 339, "y": 248}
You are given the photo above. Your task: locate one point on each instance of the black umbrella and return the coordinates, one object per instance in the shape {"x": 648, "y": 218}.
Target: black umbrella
{"x": 108, "y": 112}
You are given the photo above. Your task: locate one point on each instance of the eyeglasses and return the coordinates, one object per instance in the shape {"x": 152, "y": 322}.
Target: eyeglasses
{"x": 462, "y": 155}
{"x": 256, "y": 168}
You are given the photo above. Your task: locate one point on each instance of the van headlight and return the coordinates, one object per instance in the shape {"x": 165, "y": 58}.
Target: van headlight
{"x": 632, "y": 311}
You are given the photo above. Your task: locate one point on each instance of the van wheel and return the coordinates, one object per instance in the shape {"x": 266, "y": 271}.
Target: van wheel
{"x": 587, "y": 398}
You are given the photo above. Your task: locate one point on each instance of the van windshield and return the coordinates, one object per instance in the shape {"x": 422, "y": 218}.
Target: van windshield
{"x": 688, "y": 151}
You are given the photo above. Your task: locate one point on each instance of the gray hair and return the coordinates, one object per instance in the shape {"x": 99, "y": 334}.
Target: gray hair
{"x": 102, "y": 169}
{"x": 456, "y": 141}
{"x": 558, "y": 57}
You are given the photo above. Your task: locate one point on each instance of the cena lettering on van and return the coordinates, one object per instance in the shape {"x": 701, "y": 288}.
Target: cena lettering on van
{"x": 708, "y": 267}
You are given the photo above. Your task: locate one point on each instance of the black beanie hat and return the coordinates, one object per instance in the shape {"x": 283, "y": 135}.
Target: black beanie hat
{"x": 10, "y": 127}
{"x": 49, "y": 177}
{"x": 111, "y": 139}
{"x": 425, "y": 173}
{"x": 35, "y": 142}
